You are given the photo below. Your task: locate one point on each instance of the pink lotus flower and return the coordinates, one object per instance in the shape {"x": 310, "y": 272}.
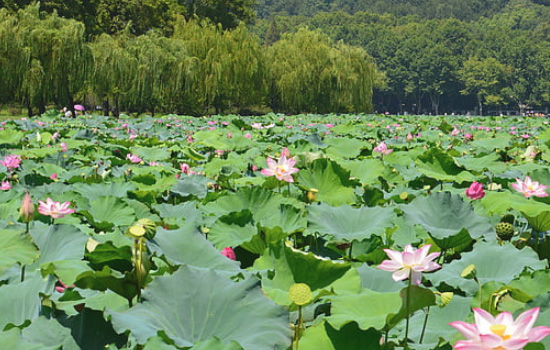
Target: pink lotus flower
{"x": 468, "y": 136}
{"x": 133, "y": 158}
{"x": 54, "y": 209}
{"x": 186, "y": 169}
{"x": 11, "y": 162}
{"x": 63, "y": 146}
{"x": 409, "y": 137}
{"x": 283, "y": 169}
{"x": 475, "y": 191}
{"x": 382, "y": 148}
{"x": 500, "y": 332}
{"x": 455, "y": 132}
{"x": 229, "y": 253}
{"x": 62, "y": 287}
{"x": 530, "y": 188}
{"x": 53, "y": 176}
{"x": 410, "y": 263}
{"x": 5, "y": 185}
{"x": 248, "y": 136}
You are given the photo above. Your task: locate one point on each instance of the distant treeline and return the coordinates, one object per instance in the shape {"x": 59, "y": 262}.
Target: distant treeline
{"x": 199, "y": 68}
{"x": 450, "y": 61}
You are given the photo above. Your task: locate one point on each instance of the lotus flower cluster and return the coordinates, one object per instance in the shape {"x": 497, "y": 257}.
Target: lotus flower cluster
{"x": 283, "y": 169}
{"x": 410, "y": 263}
{"x": 53, "y": 209}
{"x": 530, "y": 188}
{"x": 475, "y": 191}
{"x": 500, "y": 332}
{"x": 11, "y": 162}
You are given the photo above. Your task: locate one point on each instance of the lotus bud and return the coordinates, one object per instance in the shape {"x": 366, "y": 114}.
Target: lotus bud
{"x": 26, "y": 212}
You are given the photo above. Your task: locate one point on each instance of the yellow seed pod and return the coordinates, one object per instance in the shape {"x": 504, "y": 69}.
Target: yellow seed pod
{"x": 404, "y": 195}
{"x": 137, "y": 230}
{"x": 468, "y": 272}
{"x": 300, "y": 294}
{"x": 312, "y": 194}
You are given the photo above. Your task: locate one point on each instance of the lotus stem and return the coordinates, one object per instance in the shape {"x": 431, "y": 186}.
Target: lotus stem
{"x": 407, "y": 309}
{"x": 424, "y": 325}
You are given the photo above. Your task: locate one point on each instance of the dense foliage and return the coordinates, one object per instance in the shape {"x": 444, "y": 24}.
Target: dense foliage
{"x": 199, "y": 69}
{"x": 497, "y": 63}
{"x": 126, "y": 237}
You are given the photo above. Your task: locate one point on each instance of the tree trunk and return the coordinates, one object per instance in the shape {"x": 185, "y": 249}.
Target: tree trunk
{"x": 105, "y": 106}
{"x": 480, "y": 105}
{"x": 116, "y": 112}
{"x": 29, "y": 110}
{"x": 71, "y": 104}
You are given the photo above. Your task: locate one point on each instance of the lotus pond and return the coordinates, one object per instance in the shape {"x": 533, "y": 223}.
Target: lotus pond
{"x": 274, "y": 232}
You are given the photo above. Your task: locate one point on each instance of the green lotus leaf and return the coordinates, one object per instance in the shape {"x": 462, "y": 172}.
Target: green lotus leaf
{"x": 261, "y": 202}
{"x": 233, "y": 229}
{"x": 188, "y": 246}
{"x": 323, "y": 336}
{"x": 192, "y": 185}
{"x": 366, "y": 170}
{"x": 216, "y": 344}
{"x": 344, "y": 147}
{"x": 10, "y": 137}
{"x": 59, "y": 242}
{"x": 330, "y": 180}
{"x": 195, "y": 305}
{"x": 535, "y": 284}
{"x": 91, "y": 331}
{"x": 49, "y": 333}
{"x": 489, "y": 162}
{"x": 94, "y": 191}
{"x": 439, "y": 165}
{"x": 437, "y": 326}
{"x": 12, "y": 339}
{"x": 367, "y": 308}
{"x": 445, "y": 216}
{"x": 419, "y": 298}
{"x": 21, "y": 301}
{"x": 493, "y": 263}
{"x": 107, "y": 211}
{"x": 16, "y": 247}
{"x": 541, "y": 222}
{"x": 378, "y": 280}
{"x": 151, "y": 153}
{"x": 501, "y": 202}
{"x": 345, "y": 223}
{"x": 490, "y": 145}
{"x": 177, "y": 214}
{"x": 292, "y": 266}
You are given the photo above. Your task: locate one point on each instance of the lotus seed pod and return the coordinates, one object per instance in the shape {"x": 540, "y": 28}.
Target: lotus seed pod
{"x": 300, "y": 294}
{"x": 469, "y": 272}
{"x": 505, "y": 231}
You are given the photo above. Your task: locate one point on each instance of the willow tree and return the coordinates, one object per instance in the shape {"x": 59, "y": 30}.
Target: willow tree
{"x": 60, "y": 59}
{"x": 14, "y": 58}
{"x": 114, "y": 71}
{"x": 310, "y": 73}
{"x": 157, "y": 67}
